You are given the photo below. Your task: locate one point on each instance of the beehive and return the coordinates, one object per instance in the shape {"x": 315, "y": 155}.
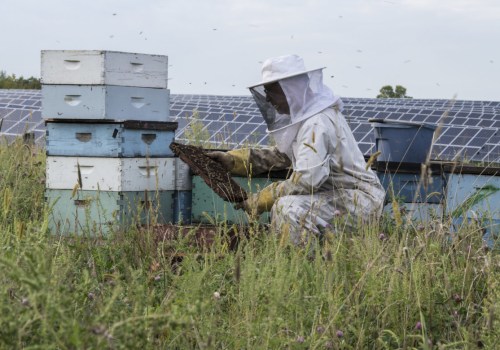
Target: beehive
{"x": 108, "y": 160}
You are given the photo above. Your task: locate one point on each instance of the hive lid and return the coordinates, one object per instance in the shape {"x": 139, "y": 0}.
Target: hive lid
{"x": 401, "y": 123}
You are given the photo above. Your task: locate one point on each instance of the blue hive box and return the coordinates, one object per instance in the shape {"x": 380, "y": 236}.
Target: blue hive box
{"x": 109, "y": 139}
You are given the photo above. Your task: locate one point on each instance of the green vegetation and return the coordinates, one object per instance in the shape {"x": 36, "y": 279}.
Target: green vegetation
{"x": 196, "y": 132}
{"x": 13, "y": 82}
{"x": 390, "y": 286}
{"x": 388, "y": 92}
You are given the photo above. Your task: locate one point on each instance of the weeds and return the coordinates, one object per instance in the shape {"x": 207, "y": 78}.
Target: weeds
{"x": 389, "y": 286}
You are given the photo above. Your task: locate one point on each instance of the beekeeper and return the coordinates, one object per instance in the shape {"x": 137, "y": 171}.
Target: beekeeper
{"x": 330, "y": 179}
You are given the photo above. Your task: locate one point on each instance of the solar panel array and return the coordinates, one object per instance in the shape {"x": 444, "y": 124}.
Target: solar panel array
{"x": 20, "y": 112}
{"x": 469, "y": 130}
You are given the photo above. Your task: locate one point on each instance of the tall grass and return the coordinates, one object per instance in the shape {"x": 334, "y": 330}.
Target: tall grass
{"x": 387, "y": 287}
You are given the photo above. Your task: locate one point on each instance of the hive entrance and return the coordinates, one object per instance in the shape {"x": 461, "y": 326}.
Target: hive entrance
{"x": 213, "y": 173}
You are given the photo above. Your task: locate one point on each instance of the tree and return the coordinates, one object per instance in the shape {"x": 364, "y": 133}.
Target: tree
{"x": 388, "y": 92}
{"x": 13, "y": 82}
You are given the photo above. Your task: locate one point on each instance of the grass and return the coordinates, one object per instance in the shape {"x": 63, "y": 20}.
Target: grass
{"x": 389, "y": 286}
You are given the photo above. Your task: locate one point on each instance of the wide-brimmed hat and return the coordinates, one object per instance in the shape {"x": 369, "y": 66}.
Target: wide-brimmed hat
{"x": 282, "y": 67}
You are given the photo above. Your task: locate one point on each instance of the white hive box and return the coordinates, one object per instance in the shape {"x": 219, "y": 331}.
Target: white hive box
{"x": 95, "y": 67}
{"x": 105, "y": 102}
{"x": 111, "y": 174}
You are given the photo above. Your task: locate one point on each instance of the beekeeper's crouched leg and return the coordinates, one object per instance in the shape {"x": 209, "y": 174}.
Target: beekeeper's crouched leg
{"x": 303, "y": 217}
{"x": 300, "y": 219}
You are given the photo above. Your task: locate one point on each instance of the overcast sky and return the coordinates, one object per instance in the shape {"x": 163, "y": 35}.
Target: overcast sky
{"x": 434, "y": 48}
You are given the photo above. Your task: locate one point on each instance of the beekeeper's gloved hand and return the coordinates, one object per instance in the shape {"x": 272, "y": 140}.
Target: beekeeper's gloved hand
{"x": 235, "y": 161}
{"x": 224, "y": 158}
{"x": 258, "y": 203}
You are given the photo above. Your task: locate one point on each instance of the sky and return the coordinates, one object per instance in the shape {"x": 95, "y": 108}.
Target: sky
{"x": 439, "y": 49}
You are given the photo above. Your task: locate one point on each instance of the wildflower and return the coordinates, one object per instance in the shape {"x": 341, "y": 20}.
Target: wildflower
{"x": 98, "y": 330}
{"x": 337, "y": 213}
{"x": 329, "y": 345}
{"x": 329, "y": 256}
{"x": 300, "y": 339}
{"x": 457, "y": 298}
{"x": 418, "y": 326}
{"x": 420, "y": 227}
{"x": 382, "y": 236}
{"x": 25, "y": 302}
{"x": 157, "y": 278}
{"x": 320, "y": 329}
{"x": 340, "y": 334}
{"x": 216, "y": 295}
{"x": 91, "y": 296}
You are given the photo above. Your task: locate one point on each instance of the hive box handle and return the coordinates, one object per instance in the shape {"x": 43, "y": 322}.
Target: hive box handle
{"x": 72, "y": 64}
{"x": 137, "y": 67}
{"x": 83, "y": 136}
{"x": 147, "y": 170}
{"x": 137, "y": 102}
{"x": 148, "y": 138}
{"x": 73, "y": 100}
{"x": 81, "y": 202}
{"x": 85, "y": 169}
{"x": 146, "y": 205}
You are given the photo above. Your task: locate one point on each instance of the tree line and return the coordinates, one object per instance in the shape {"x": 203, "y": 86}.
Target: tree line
{"x": 13, "y": 82}
{"x": 32, "y": 83}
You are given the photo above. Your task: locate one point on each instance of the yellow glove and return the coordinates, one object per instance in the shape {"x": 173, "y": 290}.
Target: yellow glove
{"x": 241, "y": 165}
{"x": 224, "y": 158}
{"x": 235, "y": 161}
{"x": 258, "y": 203}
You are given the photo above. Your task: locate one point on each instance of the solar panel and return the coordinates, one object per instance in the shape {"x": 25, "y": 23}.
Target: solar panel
{"x": 468, "y": 129}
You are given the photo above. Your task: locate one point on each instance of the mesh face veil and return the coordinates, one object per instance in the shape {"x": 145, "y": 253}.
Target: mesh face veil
{"x": 272, "y": 117}
{"x": 305, "y": 94}
{"x": 288, "y": 95}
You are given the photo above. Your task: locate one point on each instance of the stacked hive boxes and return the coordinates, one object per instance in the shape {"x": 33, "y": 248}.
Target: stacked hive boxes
{"x": 108, "y": 160}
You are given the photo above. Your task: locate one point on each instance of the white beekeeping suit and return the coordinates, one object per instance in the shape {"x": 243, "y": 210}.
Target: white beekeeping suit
{"x": 329, "y": 176}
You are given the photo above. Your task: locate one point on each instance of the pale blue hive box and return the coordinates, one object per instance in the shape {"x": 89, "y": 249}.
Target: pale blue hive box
{"x": 98, "y": 213}
{"x": 105, "y": 102}
{"x": 109, "y": 139}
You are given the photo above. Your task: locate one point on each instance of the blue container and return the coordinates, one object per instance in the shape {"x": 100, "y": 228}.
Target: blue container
{"x": 400, "y": 141}
{"x": 182, "y": 207}
{"x": 409, "y": 188}
{"x": 109, "y": 139}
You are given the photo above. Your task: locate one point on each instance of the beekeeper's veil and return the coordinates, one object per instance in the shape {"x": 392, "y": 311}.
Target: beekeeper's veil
{"x": 305, "y": 93}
